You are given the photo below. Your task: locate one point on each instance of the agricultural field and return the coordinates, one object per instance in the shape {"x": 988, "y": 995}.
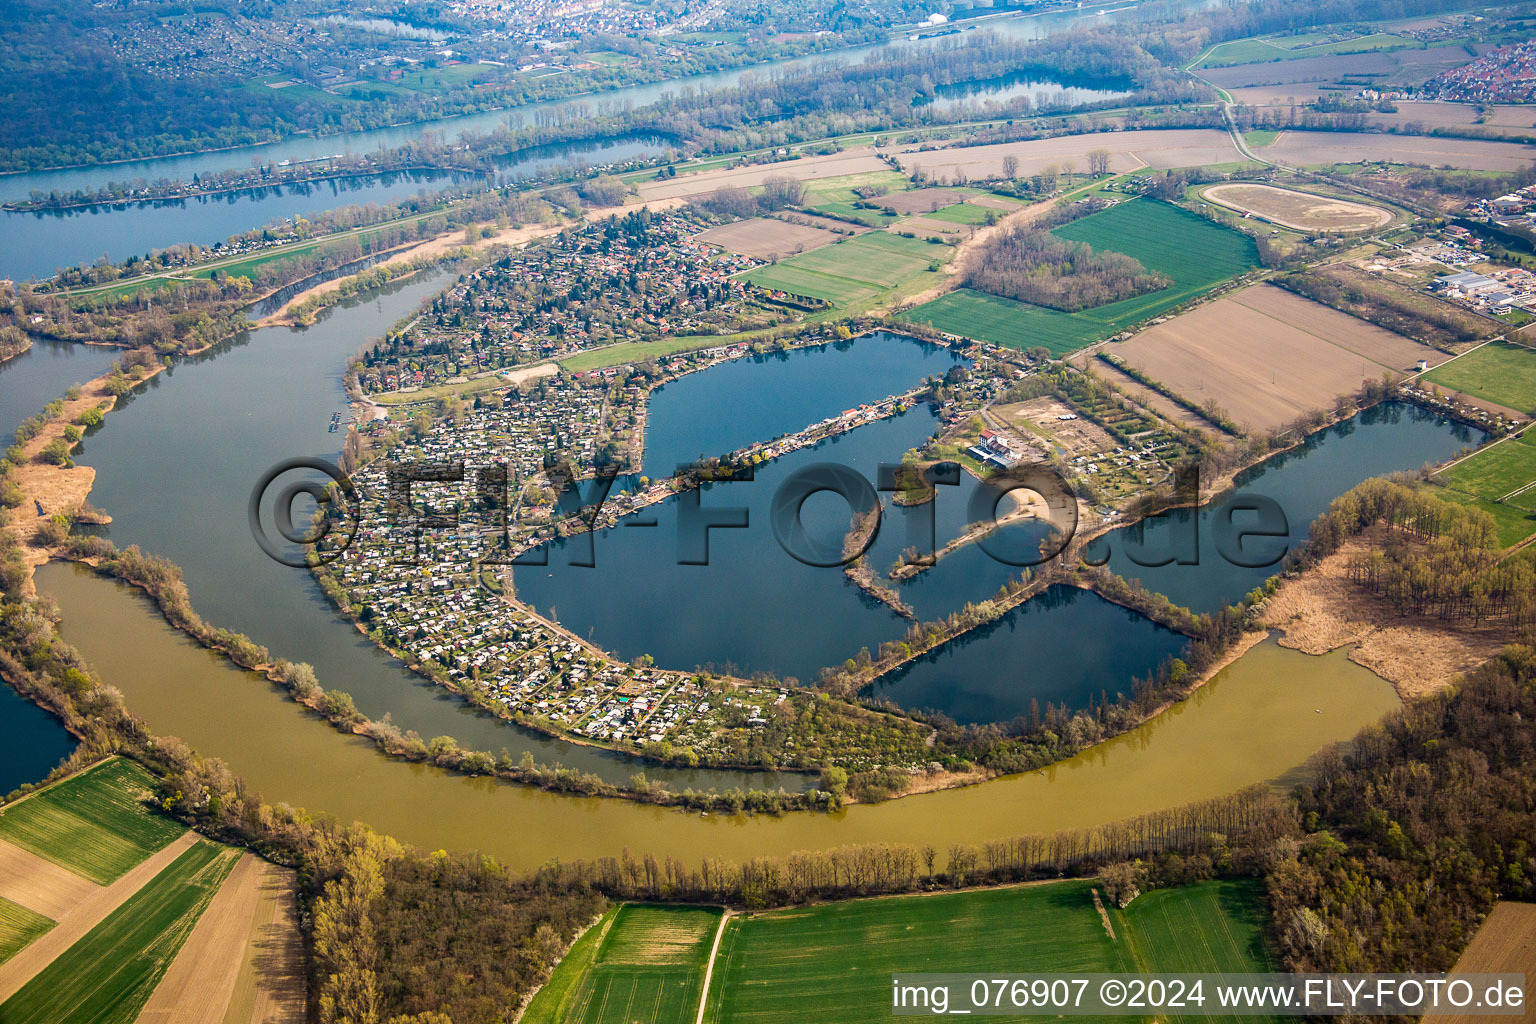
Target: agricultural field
{"x": 242, "y": 956}
{"x": 107, "y": 976}
{"x": 855, "y": 270}
{"x": 1311, "y": 149}
{"x": 833, "y": 963}
{"x": 1303, "y": 211}
{"x": 767, "y": 238}
{"x": 1259, "y": 49}
{"x": 1214, "y": 926}
{"x": 1499, "y": 372}
{"x": 1196, "y": 254}
{"x": 1157, "y": 148}
{"x": 18, "y": 927}
{"x": 1505, "y": 944}
{"x": 1264, "y": 356}
{"x": 91, "y": 823}
{"x": 1495, "y": 480}
{"x": 639, "y": 965}
{"x": 965, "y": 213}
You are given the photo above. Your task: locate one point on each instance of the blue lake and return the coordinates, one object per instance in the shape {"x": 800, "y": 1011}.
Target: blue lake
{"x": 1388, "y": 438}
{"x": 32, "y": 741}
{"x": 1066, "y": 647}
{"x": 756, "y": 398}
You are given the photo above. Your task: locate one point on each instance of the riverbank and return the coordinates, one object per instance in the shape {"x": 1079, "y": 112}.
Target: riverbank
{"x": 1322, "y": 610}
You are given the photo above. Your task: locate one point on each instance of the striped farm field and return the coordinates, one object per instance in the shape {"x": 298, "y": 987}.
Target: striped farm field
{"x": 18, "y": 927}
{"x": 798, "y": 281}
{"x": 107, "y": 976}
{"x": 1214, "y": 926}
{"x": 91, "y": 823}
{"x": 833, "y": 964}
{"x": 640, "y": 965}
{"x": 1194, "y": 253}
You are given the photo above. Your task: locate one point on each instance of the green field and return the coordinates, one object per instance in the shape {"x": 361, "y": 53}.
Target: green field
{"x": 867, "y": 264}
{"x": 108, "y": 975}
{"x": 921, "y": 248}
{"x": 795, "y": 280}
{"x": 833, "y": 964}
{"x": 1498, "y": 372}
{"x": 18, "y": 928}
{"x": 1213, "y": 926}
{"x": 1195, "y": 253}
{"x": 1498, "y": 472}
{"x": 965, "y": 213}
{"x": 91, "y": 823}
{"x": 852, "y": 271}
{"x": 638, "y": 966}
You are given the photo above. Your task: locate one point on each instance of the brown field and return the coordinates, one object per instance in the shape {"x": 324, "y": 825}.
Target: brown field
{"x": 1505, "y": 944}
{"x": 922, "y": 200}
{"x": 1435, "y": 114}
{"x": 853, "y": 161}
{"x": 200, "y": 985}
{"x": 1279, "y": 95}
{"x": 1295, "y": 147}
{"x": 1300, "y": 210}
{"x": 40, "y": 885}
{"x": 1129, "y": 151}
{"x": 1265, "y": 356}
{"x": 85, "y": 915}
{"x": 767, "y": 238}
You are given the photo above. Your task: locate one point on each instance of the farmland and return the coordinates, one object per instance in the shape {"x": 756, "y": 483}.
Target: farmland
{"x": 1300, "y": 210}
{"x": 91, "y": 823}
{"x": 1498, "y": 372}
{"x": 1492, "y": 480}
{"x": 107, "y": 976}
{"x": 1260, "y": 49}
{"x": 1265, "y": 356}
{"x": 1163, "y": 238}
{"x": 834, "y": 963}
{"x": 855, "y": 270}
{"x": 641, "y": 964}
{"x": 18, "y": 927}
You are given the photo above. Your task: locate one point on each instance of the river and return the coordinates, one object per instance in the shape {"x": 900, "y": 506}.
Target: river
{"x": 44, "y": 242}
{"x": 41, "y": 243}
{"x": 1254, "y": 722}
